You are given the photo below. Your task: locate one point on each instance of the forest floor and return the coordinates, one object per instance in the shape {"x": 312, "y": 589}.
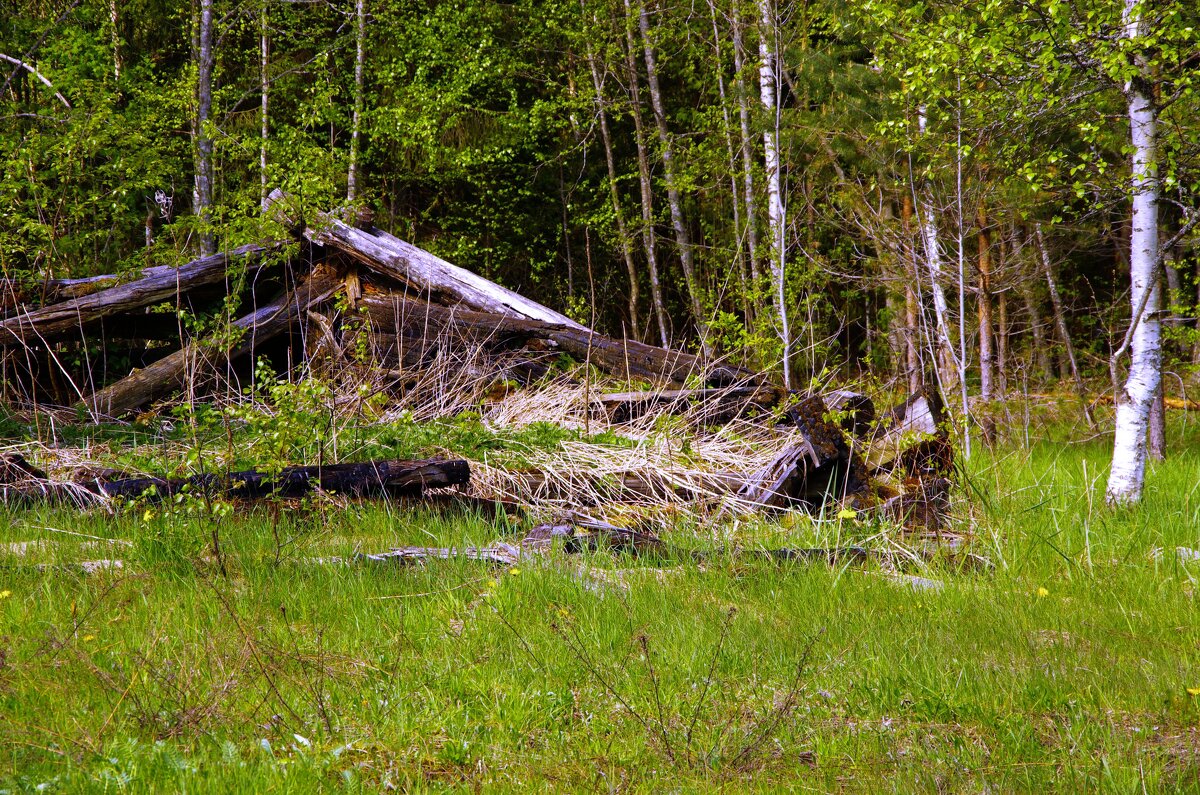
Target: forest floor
{"x": 1068, "y": 658}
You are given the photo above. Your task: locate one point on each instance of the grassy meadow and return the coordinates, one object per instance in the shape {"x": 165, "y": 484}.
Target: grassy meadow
{"x": 1066, "y": 657}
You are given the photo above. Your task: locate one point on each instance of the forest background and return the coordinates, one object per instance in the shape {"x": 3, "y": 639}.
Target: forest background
{"x": 996, "y": 195}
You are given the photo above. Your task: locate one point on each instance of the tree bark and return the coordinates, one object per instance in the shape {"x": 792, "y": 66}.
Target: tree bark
{"x": 674, "y": 198}
{"x": 158, "y": 284}
{"x": 1144, "y": 338}
{"x": 615, "y": 196}
{"x": 204, "y": 144}
{"x": 649, "y": 242}
{"x": 776, "y": 219}
{"x": 264, "y": 120}
{"x": 360, "y": 35}
{"x": 984, "y": 302}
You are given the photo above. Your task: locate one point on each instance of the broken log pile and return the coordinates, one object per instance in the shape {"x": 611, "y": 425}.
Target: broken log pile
{"x": 353, "y": 300}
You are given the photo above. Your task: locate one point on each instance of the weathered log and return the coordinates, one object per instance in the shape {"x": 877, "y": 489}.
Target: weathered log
{"x": 371, "y": 478}
{"x": 818, "y": 465}
{"x": 161, "y": 283}
{"x": 581, "y": 532}
{"x": 169, "y": 373}
{"x": 425, "y": 274}
{"x": 434, "y": 324}
{"x": 917, "y": 419}
{"x": 711, "y": 406}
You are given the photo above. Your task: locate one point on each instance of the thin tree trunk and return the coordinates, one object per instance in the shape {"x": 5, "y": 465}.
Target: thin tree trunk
{"x": 618, "y": 213}
{"x": 264, "y": 64}
{"x": 204, "y": 144}
{"x": 912, "y": 312}
{"x": 1002, "y": 324}
{"x": 1060, "y": 322}
{"x": 776, "y": 218}
{"x": 674, "y": 198}
{"x": 115, "y": 19}
{"x": 1144, "y": 338}
{"x": 944, "y": 360}
{"x": 747, "y": 154}
{"x": 648, "y": 237}
{"x": 984, "y": 304}
{"x": 734, "y": 194}
{"x": 360, "y": 35}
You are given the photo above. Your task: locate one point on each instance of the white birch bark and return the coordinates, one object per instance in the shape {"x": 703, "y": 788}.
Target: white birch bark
{"x": 360, "y": 33}
{"x": 674, "y": 198}
{"x": 264, "y": 118}
{"x": 204, "y": 144}
{"x": 768, "y": 84}
{"x": 944, "y": 361}
{"x": 1144, "y": 338}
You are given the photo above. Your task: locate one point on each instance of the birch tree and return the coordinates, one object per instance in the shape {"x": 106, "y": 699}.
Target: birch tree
{"x": 769, "y": 83}
{"x": 202, "y": 193}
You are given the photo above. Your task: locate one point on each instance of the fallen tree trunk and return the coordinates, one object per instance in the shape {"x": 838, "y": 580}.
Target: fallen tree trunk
{"x": 162, "y": 283}
{"x": 358, "y": 480}
{"x": 710, "y": 406}
{"x": 425, "y": 274}
{"x": 430, "y": 325}
{"x": 170, "y": 373}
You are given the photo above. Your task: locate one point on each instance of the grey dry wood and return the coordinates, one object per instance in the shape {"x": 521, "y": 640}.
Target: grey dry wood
{"x": 67, "y": 317}
{"x": 169, "y": 373}
{"x": 425, "y": 273}
{"x": 432, "y": 324}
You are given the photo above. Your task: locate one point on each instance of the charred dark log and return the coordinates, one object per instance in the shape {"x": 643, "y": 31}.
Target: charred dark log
{"x": 374, "y": 478}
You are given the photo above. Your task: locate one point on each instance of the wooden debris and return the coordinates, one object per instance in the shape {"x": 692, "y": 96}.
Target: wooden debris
{"x": 583, "y": 532}
{"x": 67, "y": 317}
{"x": 430, "y": 325}
{"x": 809, "y": 471}
{"x": 169, "y": 373}
{"x": 417, "y": 270}
{"x": 859, "y": 409}
{"x": 359, "y": 480}
{"x": 712, "y": 406}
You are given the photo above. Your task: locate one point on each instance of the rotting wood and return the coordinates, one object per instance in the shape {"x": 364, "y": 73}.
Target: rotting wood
{"x": 581, "y": 532}
{"x": 917, "y": 419}
{"x": 373, "y": 478}
{"x": 169, "y": 373}
{"x": 817, "y": 466}
{"x": 626, "y": 359}
{"x": 858, "y": 408}
{"x": 68, "y": 316}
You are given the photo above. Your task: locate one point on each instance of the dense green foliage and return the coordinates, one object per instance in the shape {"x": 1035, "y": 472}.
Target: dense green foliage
{"x": 482, "y": 140}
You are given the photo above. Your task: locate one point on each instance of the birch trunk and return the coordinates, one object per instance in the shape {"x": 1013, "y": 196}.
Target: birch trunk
{"x": 911, "y": 306}
{"x": 265, "y": 117}
{"x": 747, "y": 155}
{"x": 1144, "y": 338}
{"x": 360, "y": 34}
{"x": 204, "y": 144}
{"x": 674, "y": 198}
{"x": 776, "y": 220}
{"x": 947, "y": 370}
{"x": 648, "y": 237}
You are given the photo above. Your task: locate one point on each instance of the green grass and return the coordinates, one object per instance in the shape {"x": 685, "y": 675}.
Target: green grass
{"x": 1065, "y": 665}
